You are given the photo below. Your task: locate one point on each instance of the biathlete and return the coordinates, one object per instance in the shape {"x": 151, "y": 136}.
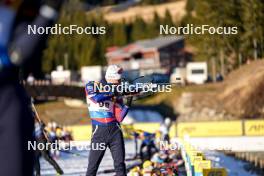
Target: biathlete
{"x": 42, "y": 138}
{"x": 107, "y": 110}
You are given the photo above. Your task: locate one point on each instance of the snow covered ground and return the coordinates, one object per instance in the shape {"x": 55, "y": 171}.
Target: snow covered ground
{"x": 74, "y": 165}
{"x": 233, "y": 166}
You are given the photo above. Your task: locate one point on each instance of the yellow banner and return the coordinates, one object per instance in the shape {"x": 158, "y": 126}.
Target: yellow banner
{"x": 81, "y": 132}
{"x": 200, "y": 165}
{"x": 193, "y": 129}
{"x": 84, "y": 132}
{"x": 254, "y": 127}
{"x": 206, "y": 129}
{"x": 149, "y": 127}
{"x": 214, "y": 172}
{"x": 196, "y": 159}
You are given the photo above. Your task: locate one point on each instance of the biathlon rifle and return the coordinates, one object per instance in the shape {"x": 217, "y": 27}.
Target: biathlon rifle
{"x": 139, "y": 93}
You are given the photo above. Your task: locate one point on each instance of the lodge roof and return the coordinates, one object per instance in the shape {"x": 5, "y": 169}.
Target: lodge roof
{"x": 140, "y": 45}
{"x": 159, "y": 42}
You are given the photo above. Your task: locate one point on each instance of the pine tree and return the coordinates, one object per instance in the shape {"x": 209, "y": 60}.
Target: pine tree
{"x": 190, "y": 6}
{"x": 138, "y": 29}
{"x": 253, "y": 38}
{"x": 119, "y": 34}
{"x": 167, "y": 19}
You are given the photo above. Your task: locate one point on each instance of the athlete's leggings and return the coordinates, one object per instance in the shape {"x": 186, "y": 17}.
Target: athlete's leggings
{"x": 107, "y": 136}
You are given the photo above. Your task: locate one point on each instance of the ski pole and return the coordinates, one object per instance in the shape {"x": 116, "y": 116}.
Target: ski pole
{"x": 38, "y": 118}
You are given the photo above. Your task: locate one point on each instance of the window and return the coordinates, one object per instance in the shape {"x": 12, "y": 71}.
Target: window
{"x": 198, "y": 71}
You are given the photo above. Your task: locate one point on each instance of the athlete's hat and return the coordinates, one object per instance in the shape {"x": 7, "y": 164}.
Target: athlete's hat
{"x": 113, "y": 72}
